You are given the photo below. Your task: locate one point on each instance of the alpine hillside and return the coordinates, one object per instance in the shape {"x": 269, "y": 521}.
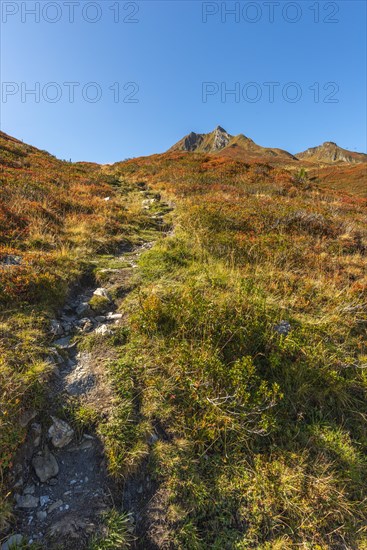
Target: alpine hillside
{"x": 183, "y": 349}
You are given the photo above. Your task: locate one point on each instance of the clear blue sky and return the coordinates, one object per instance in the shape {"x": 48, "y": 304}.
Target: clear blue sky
{"x": 169, "y": 52}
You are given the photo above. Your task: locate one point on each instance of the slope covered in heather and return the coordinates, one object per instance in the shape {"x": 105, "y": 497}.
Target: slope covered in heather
{"x": 57, "y": 219}
{"x": 236, "y": 372}
{"x": 250, "y": 330}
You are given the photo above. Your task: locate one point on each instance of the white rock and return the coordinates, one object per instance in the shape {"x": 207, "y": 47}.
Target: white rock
{"x": 101, "y": 292}
{"x": 147, "y": 203}
{"x": 114, "y": 316}
{"x": 60, "y": 432}
{"x": 104, "y": 330}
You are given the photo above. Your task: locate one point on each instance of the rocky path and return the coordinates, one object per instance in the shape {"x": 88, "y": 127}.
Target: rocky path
{"x": 61, "y": 482}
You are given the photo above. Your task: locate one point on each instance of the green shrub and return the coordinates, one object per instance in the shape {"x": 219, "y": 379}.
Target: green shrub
{"x": 100, "y": 304}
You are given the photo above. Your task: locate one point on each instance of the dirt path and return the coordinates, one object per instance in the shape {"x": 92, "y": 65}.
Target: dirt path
{"x": 61, "y": 481}
{"x": 147, "y": 502}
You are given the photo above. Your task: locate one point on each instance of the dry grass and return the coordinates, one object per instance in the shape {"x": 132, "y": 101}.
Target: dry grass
{"x": 262, "y": 435}
{"x": 54, "y": 222}
{"x": 265, "y": 443}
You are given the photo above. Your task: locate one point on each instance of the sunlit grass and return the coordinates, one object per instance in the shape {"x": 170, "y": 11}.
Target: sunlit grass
{"x": 265, "y": 432}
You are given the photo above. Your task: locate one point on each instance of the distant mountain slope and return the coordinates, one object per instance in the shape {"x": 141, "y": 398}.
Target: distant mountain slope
{"x": 330, "y": 152}
{"x": 240, "y": 146}
{"x": 342, "y": 177}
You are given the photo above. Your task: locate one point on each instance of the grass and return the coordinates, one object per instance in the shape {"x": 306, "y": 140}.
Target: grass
{"x": 262, "y": 434}
{"x": 55, "y": 227}
{"x": 118, "y": 533}
{"x": 99, "y": 304}
{"x": 265, "y": 440}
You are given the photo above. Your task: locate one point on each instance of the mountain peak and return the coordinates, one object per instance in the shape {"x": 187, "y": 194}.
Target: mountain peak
{"x": 208, "y": 143}
{"x": 330, "y": 152}
{"x": 219, "y": 141}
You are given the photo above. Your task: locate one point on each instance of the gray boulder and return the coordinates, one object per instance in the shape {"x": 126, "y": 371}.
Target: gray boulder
{"x": 13, "y": 542}
{"x": 45, "y": 466}
{"x": 26, "y": 501}
{"x": 83, "y": 309}
{"x": 56, "y": 328}
{"x": 26, "y": 417}
{"x": 283, "y": 328}
{"x": 36, "y": 433}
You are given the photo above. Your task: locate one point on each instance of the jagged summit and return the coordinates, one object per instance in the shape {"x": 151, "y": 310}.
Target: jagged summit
{"x": 208, "y": 143}
{"x": 221, "y": 139}
{"x": 240, "y": 146}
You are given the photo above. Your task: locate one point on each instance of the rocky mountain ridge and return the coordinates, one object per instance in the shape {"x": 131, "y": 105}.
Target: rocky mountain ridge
{"x": 241, "y": 146}
{"x": 331, "y": 152}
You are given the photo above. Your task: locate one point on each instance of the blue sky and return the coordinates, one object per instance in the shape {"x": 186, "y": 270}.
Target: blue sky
{"x": 169, "y": 54}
